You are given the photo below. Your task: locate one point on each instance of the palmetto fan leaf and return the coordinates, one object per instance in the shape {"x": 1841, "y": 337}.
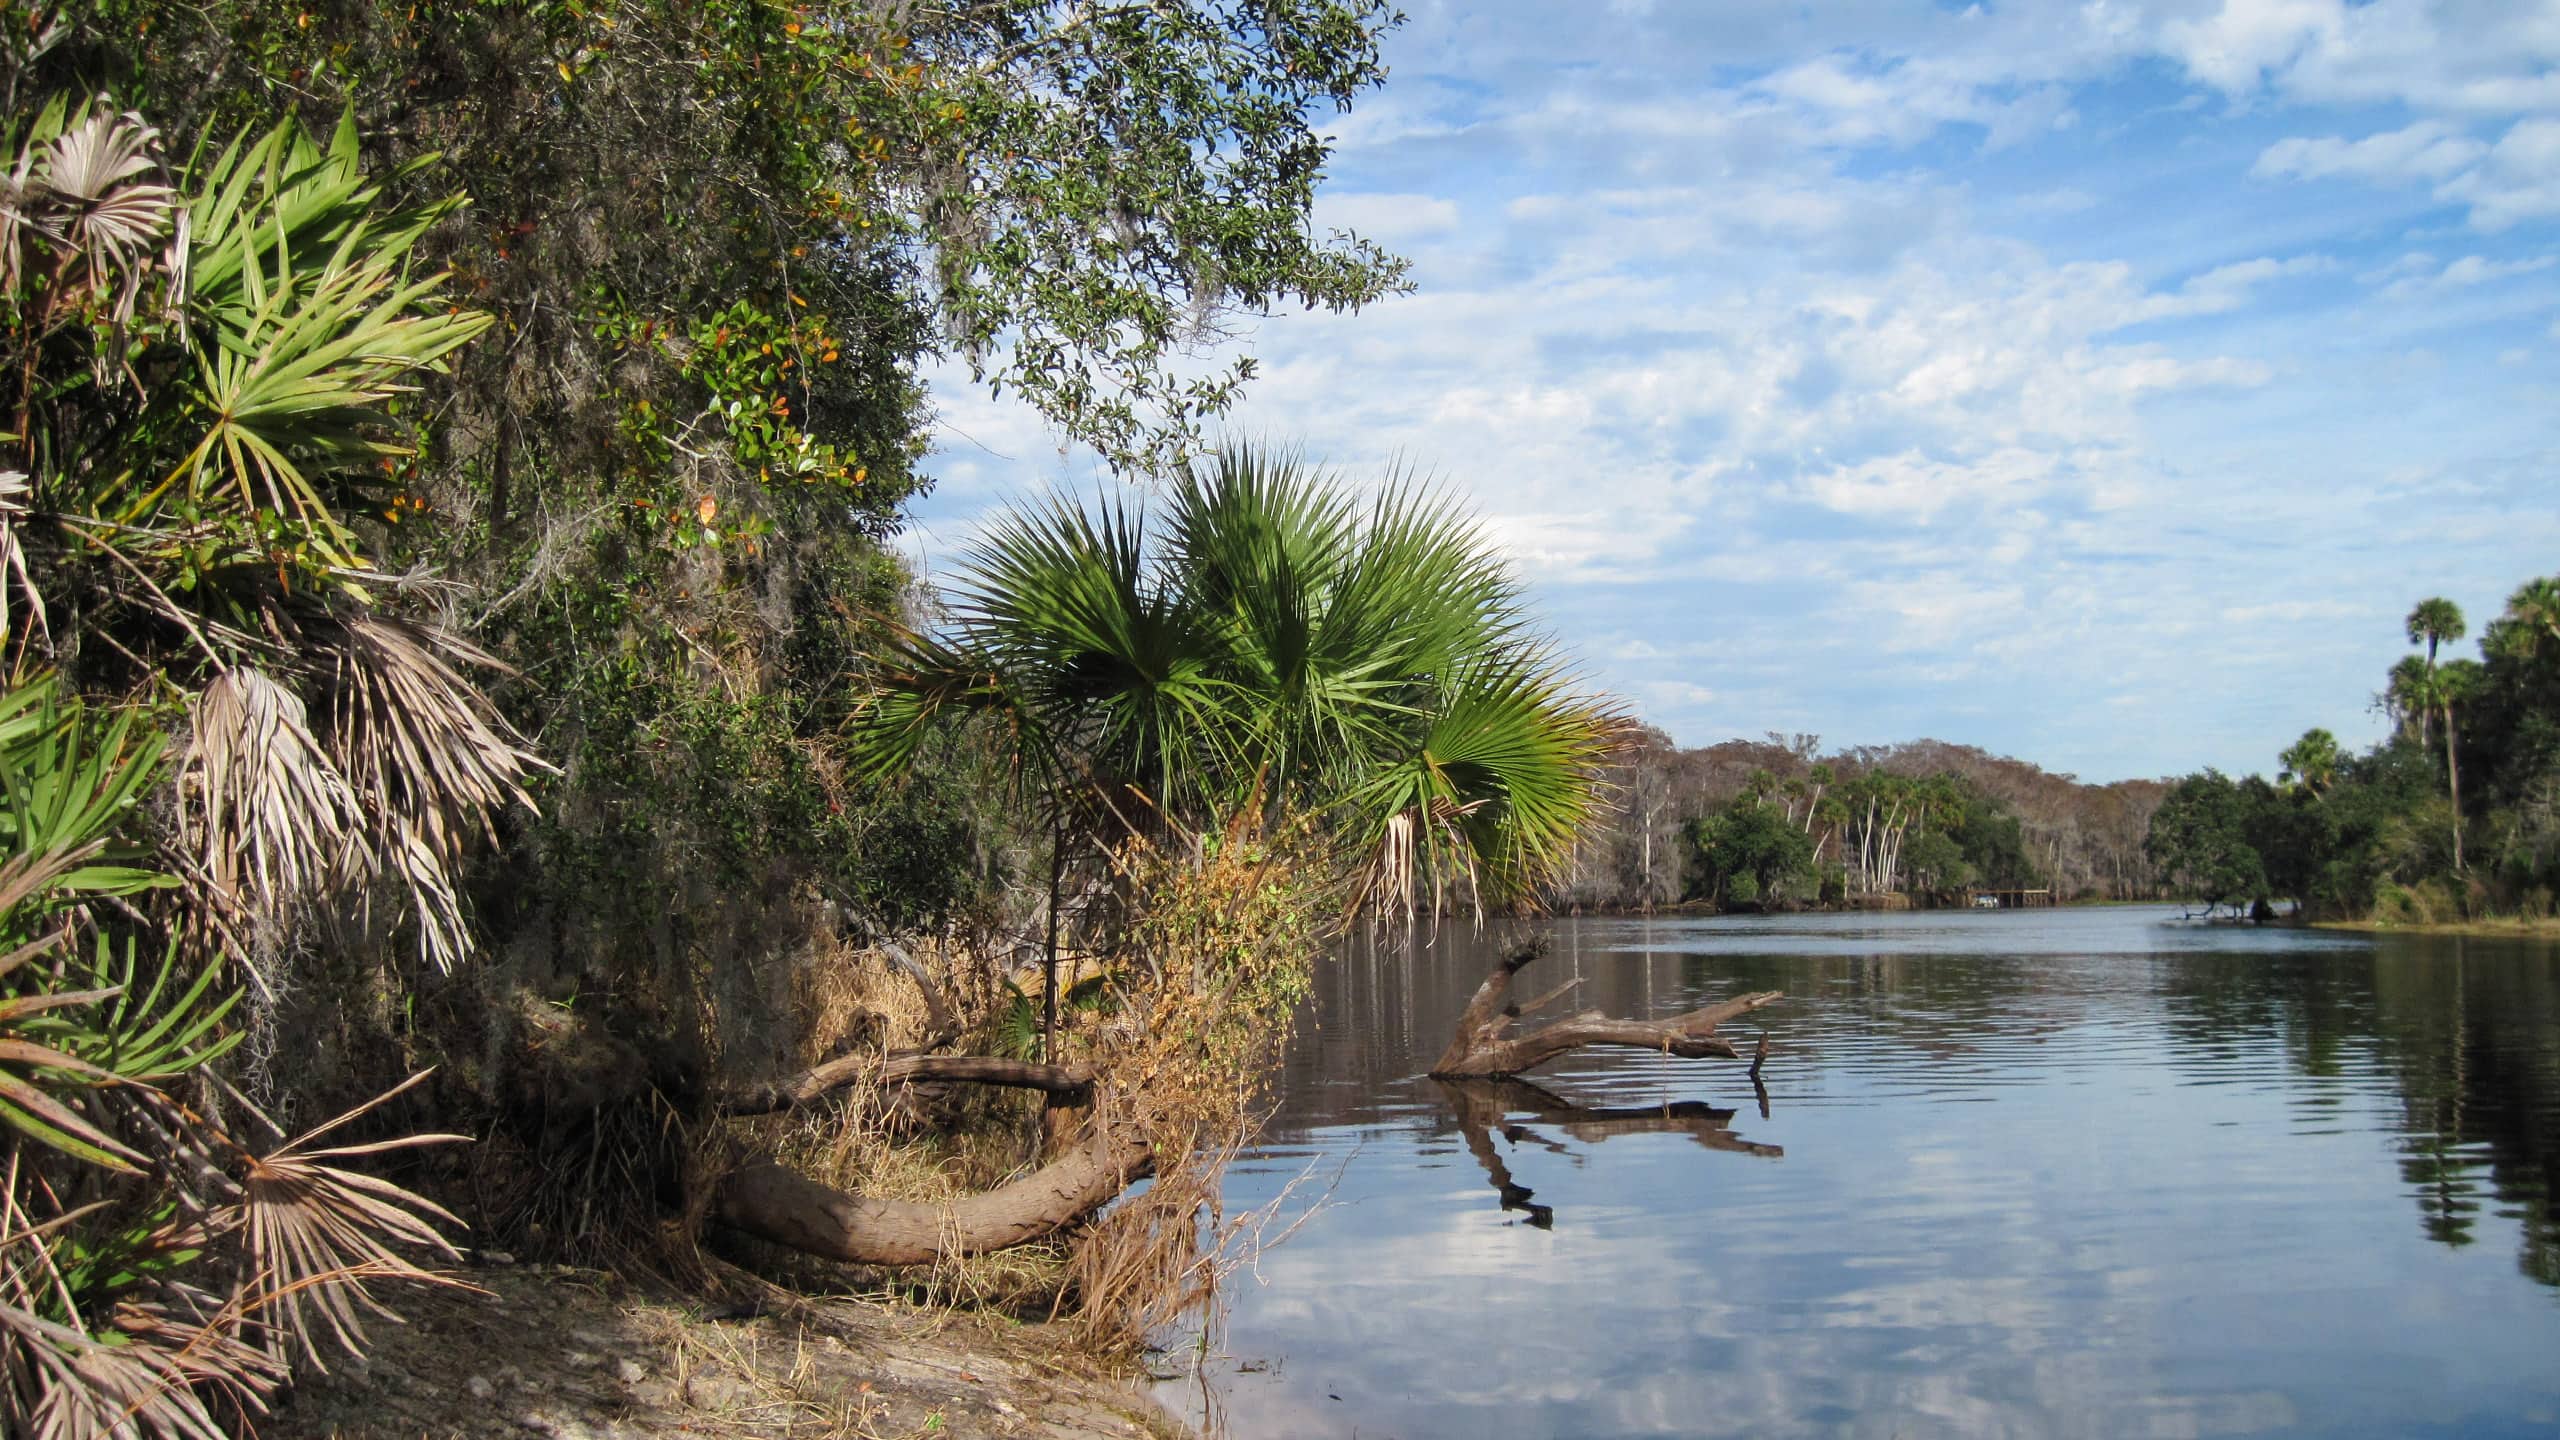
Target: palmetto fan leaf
{"x": 430, "y": 752}
{"x": 270, "y": 818}
{"x": 78, "y": 181}
{"x": 310, "y": 323}
{"x": 318, "y": 1232}
{"x": 1068, "y": 608}
{"x": 1488, "y": 799}
{"x": 1273, "y": 640}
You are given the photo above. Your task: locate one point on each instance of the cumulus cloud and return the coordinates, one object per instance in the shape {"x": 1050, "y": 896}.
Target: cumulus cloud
{"x": 2518, "y": 180}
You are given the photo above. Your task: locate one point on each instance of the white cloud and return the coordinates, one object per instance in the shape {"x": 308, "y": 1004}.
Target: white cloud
{"x": 1917, "y": 487}
{"x": 1386, "y": 216}
{"x": 2519, "y": 179}
{"x": 2235, "y": 47}
{"x": 2425, "y": 150}
{"x": 2417, "y": 274}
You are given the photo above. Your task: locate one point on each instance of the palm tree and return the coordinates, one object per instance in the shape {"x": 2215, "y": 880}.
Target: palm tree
{"x": 2312, "y": 761}
{"x": 2532, "y": 618}
{"x": 2433, "y": 622}
{"x": 1270, "y": 638}
{"x": 2455, "y": 686}
{"x": 2410, "y": 696}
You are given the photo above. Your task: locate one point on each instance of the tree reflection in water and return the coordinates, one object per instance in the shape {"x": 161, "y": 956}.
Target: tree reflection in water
{"x": 1484, "y": 1109}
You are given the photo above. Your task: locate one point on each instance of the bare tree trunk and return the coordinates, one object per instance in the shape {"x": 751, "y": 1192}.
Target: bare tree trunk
{"x": 1485, "y": 1046}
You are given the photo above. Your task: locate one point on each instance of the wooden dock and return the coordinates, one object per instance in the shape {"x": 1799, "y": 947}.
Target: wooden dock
{"x": 2008, "y": 899}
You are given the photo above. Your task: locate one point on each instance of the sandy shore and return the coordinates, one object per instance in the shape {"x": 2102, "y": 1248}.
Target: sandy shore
{"x": 569, "y": 1354}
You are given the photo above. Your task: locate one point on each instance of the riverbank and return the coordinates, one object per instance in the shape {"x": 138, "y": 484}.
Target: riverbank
{"x": 551, "y": 1351}
{"x": 2505, "y": 927}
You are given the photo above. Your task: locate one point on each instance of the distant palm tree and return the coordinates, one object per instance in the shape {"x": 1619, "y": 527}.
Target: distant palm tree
{"x": 2411, "y": 697}
{"x": 2532, "y": 618}
{"x": 2455, "y": 686}
{"x": 2434, "y": 622}
{"x": 2312, "y": 761}
{"x": 1265, "y": 634}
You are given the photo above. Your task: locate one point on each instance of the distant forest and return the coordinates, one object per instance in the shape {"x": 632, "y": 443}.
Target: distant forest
{"x": 2454, "y": 816}
{"x": 1780, "y": 821}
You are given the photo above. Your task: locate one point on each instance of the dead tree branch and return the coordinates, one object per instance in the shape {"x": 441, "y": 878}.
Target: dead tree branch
{"x": 1484, "y": 1045}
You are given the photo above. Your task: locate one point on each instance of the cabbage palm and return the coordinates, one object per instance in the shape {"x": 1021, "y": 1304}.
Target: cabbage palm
{"x": 2532, "y": 619}
{"x": 2410, "y": 697}
{"x": 2433, "y": 622}
{"x": 2312, "y": 761}
{"x": 2457, "y": 684}
{"x": 1265, "y": 634}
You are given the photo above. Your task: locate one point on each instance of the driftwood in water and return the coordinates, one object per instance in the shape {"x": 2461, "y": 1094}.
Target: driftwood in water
{"x": 1484, "y": 1110}
{"x": 1485, "y": 1046}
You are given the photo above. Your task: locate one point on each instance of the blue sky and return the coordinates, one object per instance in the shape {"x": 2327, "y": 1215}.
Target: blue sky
{"x": 2095, "y": 382}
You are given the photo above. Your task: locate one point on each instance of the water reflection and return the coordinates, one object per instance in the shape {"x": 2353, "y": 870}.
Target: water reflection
{"x": 2045, "y": 1172}
{"x": 1483, "y": 1110}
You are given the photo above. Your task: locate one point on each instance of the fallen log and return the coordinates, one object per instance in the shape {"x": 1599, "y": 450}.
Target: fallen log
{"x": 1073, "y": 1083}
{"x": 773, "y": 1203}
{"x": 1485, "y": 1047}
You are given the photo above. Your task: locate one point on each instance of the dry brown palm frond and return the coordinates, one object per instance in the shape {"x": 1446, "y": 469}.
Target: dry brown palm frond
{"x": 77, "y": 185}
{"x": 317, "y": 1233}
{"x": 100, "y": 208}
{"x": 65, "y": 1384}
{"x": 271, "y": 819}
{"x": 13, "y": 556}
{"x": 147, "y": 1377}
{"x": 157, "y": 1379}
{"x": 430, "y": 755}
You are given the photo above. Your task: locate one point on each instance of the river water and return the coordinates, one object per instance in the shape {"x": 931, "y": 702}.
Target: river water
{"x": 2034, "y": 1173}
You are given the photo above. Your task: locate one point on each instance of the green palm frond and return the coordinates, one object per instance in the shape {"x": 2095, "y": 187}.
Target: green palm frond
{"x": 1274, "y": 640}
{"x": 311, "y": 323}
{"x": 63, "y": 784}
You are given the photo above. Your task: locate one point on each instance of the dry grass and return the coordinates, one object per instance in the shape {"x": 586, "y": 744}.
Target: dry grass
{"x": 1201, "y": 973}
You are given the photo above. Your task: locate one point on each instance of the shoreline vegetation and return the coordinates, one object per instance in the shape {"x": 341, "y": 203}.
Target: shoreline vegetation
{"x": 2450, "y": 824}
{"x": 2493, "y": 927}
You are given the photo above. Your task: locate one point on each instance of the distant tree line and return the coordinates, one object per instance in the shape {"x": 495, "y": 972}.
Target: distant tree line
{"x": 2455, "y": 814}
{"x": 1782, "y": 821}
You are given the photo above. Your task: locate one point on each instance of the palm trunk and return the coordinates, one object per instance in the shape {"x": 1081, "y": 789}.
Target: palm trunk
{"x": 2453, "y": 783}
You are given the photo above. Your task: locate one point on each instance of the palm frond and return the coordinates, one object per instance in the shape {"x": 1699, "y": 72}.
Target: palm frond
{"x": 75, "y": 182}
{"x": 268, "y": 815}
{"x": 298, "y": 281}
{"x": 433, "y": 760}
{"x": 110, "y": 217}
{"x": 317, "y": 1233}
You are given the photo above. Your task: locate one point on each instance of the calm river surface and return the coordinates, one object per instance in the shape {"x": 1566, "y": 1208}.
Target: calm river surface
{"x": 2077, "y": 1172}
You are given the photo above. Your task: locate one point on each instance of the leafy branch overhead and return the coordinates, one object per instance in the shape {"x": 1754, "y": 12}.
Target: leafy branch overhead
{"x": 1084, "y": 196}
